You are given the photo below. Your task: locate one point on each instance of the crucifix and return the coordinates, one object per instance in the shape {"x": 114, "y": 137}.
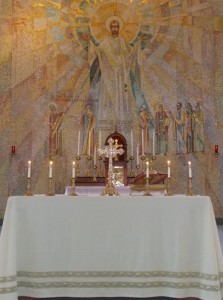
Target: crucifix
{"x": 117, "y": 145}
{"x": 110, "y": 151}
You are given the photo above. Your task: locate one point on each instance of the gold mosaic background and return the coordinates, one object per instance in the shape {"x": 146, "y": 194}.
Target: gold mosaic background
{"x": 51, "y": 75}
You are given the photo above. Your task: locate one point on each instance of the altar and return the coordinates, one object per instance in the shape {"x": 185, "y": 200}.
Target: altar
{"x": 127, "y": 246}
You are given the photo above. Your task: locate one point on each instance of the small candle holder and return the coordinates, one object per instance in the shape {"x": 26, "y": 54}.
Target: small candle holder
{"x": 50, "y": 187}
{"x": 189, "y": 187}
{"x": 28, "y": 187}
{"x": 88, "y": 170}
{"x": 99, "y": 166}
{"x": 147, "y": 191}
{"x": 143, "y": 163}
{"x": 168, "y": 187}
{"x": 95, "y": 172}
{"x": 78, "y": 158}
{"x": 73, "y": 187}
{"x": 132, "y": 170}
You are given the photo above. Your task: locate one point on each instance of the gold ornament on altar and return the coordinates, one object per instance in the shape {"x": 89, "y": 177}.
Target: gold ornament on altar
{"x": 110, "y": 151}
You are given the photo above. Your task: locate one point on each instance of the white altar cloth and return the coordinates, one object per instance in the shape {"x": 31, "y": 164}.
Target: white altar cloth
{"x": 110, "y": 246}
{"x": 96, "y": 190}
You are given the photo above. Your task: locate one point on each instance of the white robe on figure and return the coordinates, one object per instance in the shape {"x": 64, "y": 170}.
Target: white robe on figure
{"x": 116, "y": 99}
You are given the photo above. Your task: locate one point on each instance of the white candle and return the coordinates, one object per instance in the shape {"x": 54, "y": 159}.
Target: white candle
{"x": 78, "y": 143}
{"x": 131, "y": 143}
{"x": 143, "y": 142}
{"x": 95, "y": 155}
{"x": 189, "y": 168}
{"x": 89, "y": 144}
{"x": 137, "y": 155}
{"x": 147, "y": 169}
{"x": 73, "y": 169}
{"x": 99, "y": 139}
{"x": 168, "y": 168}
{"x": 29, "y": 169}
{"x": 154, "y": 143}
{"x": 51, "y": 169}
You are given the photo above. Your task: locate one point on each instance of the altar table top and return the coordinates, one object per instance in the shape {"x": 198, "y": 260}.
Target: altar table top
{"x": 110, "y": 247}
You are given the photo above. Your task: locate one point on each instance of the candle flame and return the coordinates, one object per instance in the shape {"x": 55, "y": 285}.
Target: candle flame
{"x": 29, "y": 162}
{"x": 73, "y": 163}
{"x": 168, "y": 162}
{"x": 189, "y": 163}
{"x": 51, "y": 162}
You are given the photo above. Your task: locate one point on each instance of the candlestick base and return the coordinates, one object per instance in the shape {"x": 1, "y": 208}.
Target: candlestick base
{"x": 189, "y": 187}
{"x": 28, "y": 188}
{"x": 50, "y": 188}
{"x": 73, "y": 188}
{"x": 168, "y": 187}
{"x": 110, "y": 190}
{"x": 147, "y": 191}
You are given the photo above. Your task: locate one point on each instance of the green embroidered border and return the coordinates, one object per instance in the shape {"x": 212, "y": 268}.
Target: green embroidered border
{"x": 8, "y": 290}
{"x": 116, "y": 284}
{"x": 8, "y": 279}
{"x": 127, "y": 274}
{"x": 161, "y": 284}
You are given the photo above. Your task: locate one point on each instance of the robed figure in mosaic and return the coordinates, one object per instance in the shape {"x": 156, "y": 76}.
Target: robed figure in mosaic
{"x": 115, "y": 58}
{"x": 161, "y": 128}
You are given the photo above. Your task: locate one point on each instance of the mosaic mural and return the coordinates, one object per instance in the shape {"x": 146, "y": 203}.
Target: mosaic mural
{"x": 70, "y": 69}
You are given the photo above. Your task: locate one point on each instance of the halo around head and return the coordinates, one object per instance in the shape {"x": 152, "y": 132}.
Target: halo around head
{"x": 114, "y": 18}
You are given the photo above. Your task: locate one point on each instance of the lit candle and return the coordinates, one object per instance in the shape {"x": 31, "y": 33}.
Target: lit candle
{"x": 142, "y": 142}
{"x": 50, "y": 169}
{"x": 73, "y": 169}
{"x": 78, "y": 143}
{"x": 137, "y": 155}
{"x": 89, "y": 144}
{"x": 154, "y": 143}
{"x": 189, "y": 168}
{"x": 131, "y": 143}
{"x": 95, "y": 155}
{"x": 147, "y": 169}
{"x": 168, "y": 169}
{"x": 29, "y": 169}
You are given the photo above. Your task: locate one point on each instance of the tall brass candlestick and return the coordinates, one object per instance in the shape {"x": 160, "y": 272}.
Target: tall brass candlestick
{"x": 50, "y": 187}
{"x": 88, "y": 170}
{"x": 95, "y": 172}
{"x": 189, "y": 187}
{"x": 147, "y": 191}
{"x": 137, "y": 168}
{"x": 168, "y": 187}
{"x": 73, "y": 187}
{"x": 143, "y": 163}
{"x": 132, "y": 170}
{"x": 28, "y": 187}
{"x": 78, "y": 158}
{"x": 99, "y": 166}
